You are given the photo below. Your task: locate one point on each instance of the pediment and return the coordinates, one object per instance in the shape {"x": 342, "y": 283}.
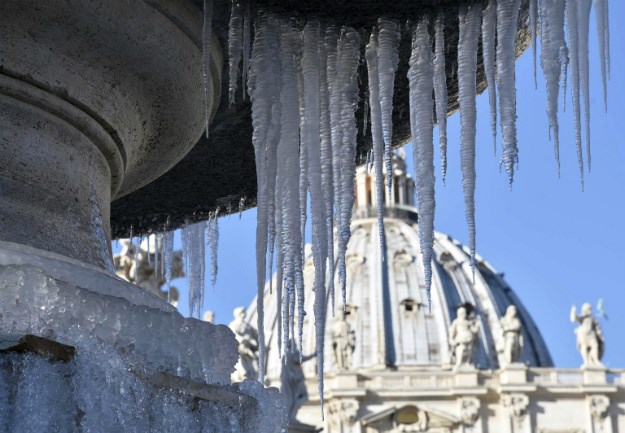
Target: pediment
{"x": 410, "y": 418}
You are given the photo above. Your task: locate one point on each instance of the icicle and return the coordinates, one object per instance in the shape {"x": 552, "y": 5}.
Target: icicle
{"x": 311, "y": 138}
{"x": 303, "y": 201}
{"x": 420, "y": 77}
{"x": 583, "y": 20}
{"x": 263, "y": 90}
{"x": 346, "y": 82}
{"x": 213, "y": 241}
{"x": 377, "y": 136}
{"x": 279, "y": 259}
{"x": 194, "y": 249}
{"x": 207, "y": 30}
{"x": 235, "y": 48}
{"x": 288, "y": 177}
{"x": 327, "y": 180}
{"x": 388, "y": 59}
{"x": 440, "y": 88}
{"x": 467, "y": 67}
{"x": 137, "y": 251}
{"x": 489, "y": 26}
{"x": 534, "y": 33}
{"x": 149, "y": 244}
{"x": 247, "y": 43}
{"x": 600, "y": 15}
{"x": 241, "y": 206}
{"x": 365, "y": 115}
{"x": 507, "y": 18}
{"x": 573, "y": 39}
{"x": 551, "y": 60}
{"x": 606, "y": 22}
{"x": 168, "y": 256}
{"x": 157, "y": 252}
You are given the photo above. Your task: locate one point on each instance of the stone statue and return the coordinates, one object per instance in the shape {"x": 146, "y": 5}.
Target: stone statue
{"x": 137, "y": 265}
{"x": 247, "y": 336}
{"x": 343, "y": 342}
{"x": 292, "y": 380}
{"x": 462, "y": 336}
{"x": 512, "y": 337}
{"x": 590, "y": 340}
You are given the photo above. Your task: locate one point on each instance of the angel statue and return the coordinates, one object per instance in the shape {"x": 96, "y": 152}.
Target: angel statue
{"x": 590, "y": 341}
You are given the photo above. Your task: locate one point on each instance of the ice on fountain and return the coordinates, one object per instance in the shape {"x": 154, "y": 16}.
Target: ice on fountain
{"x": 571, "y": 14}
{"x": 235, "y": 48}
{"x": 168, "y": 256}
{"x": 207, "y": 35}
{"x": 467, "y": 69}
{"x": 601, "y": 7}
{"x": 507, "y": 18}
{"x": 551, "y": 61}
{"x": 583, "y": 22}
{"x": 346, "y": 82}
{"x": 534, "y": 34}
{"x": 420, "y": 77}
{"x": 212, "y": 234}
{"x": 489, "y": 27}
{"x": 377, "y": 133}
{"x": 194, "y": 250}
{"x": 388, "y": 60}
{"x": 247, "y": 44}
{"x": 440, "y": 88}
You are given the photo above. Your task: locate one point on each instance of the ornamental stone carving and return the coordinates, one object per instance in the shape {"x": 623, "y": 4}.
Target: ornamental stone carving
{"x": 512, "y": 338}
{"x": 343, "y": 342}
{"x": 247, "y": 336}
{"x": 599, "y": 406}
{"x": 590, "y": 341}
{"x": 342, "y": 412}
{"x": 462, "y": 337}
{"x": 516, "y": 404}
{"x": 469, "y": 410}
{"x": 410, "y": 420}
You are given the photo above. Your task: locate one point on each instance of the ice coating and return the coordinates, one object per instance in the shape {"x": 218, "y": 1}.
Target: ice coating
{"x": 371, "y": 54}
{"x": 601, "y": 17}
{"x": 551, "y": 61}
{"x": 420, "y": 77}
{"x": 489, "y": 26}
{"x": 507, "y": 16}
{"x": 534, "y": 34}
{"x": 467, "y": 69}
{"x": 235, "y": 48}
{"x": 388, "y": 60}
{"x": 440, "y": 88}
{"x": 207, "y": 35}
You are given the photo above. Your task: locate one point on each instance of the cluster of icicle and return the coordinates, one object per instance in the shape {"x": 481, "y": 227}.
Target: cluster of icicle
{"x": 302, "y": 79}
{"x": 195, "y": 240}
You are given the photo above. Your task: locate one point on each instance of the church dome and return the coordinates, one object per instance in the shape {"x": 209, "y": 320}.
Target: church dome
{"x": 387, "y": 307}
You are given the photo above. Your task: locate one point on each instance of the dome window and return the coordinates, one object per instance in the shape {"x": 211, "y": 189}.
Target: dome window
{"x": 409, "y": 306}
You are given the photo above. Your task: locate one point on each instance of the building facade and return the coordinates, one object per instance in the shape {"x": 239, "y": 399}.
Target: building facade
{"x": 474, "y": 362}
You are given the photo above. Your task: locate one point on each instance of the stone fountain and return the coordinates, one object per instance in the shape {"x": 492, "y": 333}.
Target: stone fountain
{"x": 101, "y": 133}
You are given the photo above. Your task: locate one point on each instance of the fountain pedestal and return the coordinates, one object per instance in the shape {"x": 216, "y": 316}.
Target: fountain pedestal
{"x": 98, "y": 98}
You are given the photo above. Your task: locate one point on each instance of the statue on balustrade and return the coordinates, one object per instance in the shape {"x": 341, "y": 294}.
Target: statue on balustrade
{"x": 512, "y": 337}
{"x": 462, "y": 337}
{"x": 247, "y": 336}
{"x": 343, "y": 342}
{"x": 590, "y": 341}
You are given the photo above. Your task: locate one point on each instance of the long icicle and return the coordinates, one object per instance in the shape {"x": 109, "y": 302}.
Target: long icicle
{"x": 347, "y": 80}
{"x": 552, "y": 43}
{"x": 311, "y": 134}
{"x": 235, "y": 48}
{"x": 571, "y": 13}
{"x": 507, "y": 16}
{"x": 467, "y": 69}
{"x": 327, "y": 179}
{"x": 600, "y": 15}
{"x": 440, "y": 88}
{"x": 420, "y": 76}
{"x": 388, "y": 60}
{"x": 583, "y": 23}
{"x": 534, "y": 34}
{"x": 371, "y": 54}
{"x": 489, "y": 27}
{"x": 207, "y": 35}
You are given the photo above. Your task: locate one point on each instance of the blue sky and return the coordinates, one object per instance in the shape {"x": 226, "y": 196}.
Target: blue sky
{"x": 556, "y": 245}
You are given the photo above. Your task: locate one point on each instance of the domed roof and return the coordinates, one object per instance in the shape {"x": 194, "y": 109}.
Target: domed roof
{"x": 386, "y": 299}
